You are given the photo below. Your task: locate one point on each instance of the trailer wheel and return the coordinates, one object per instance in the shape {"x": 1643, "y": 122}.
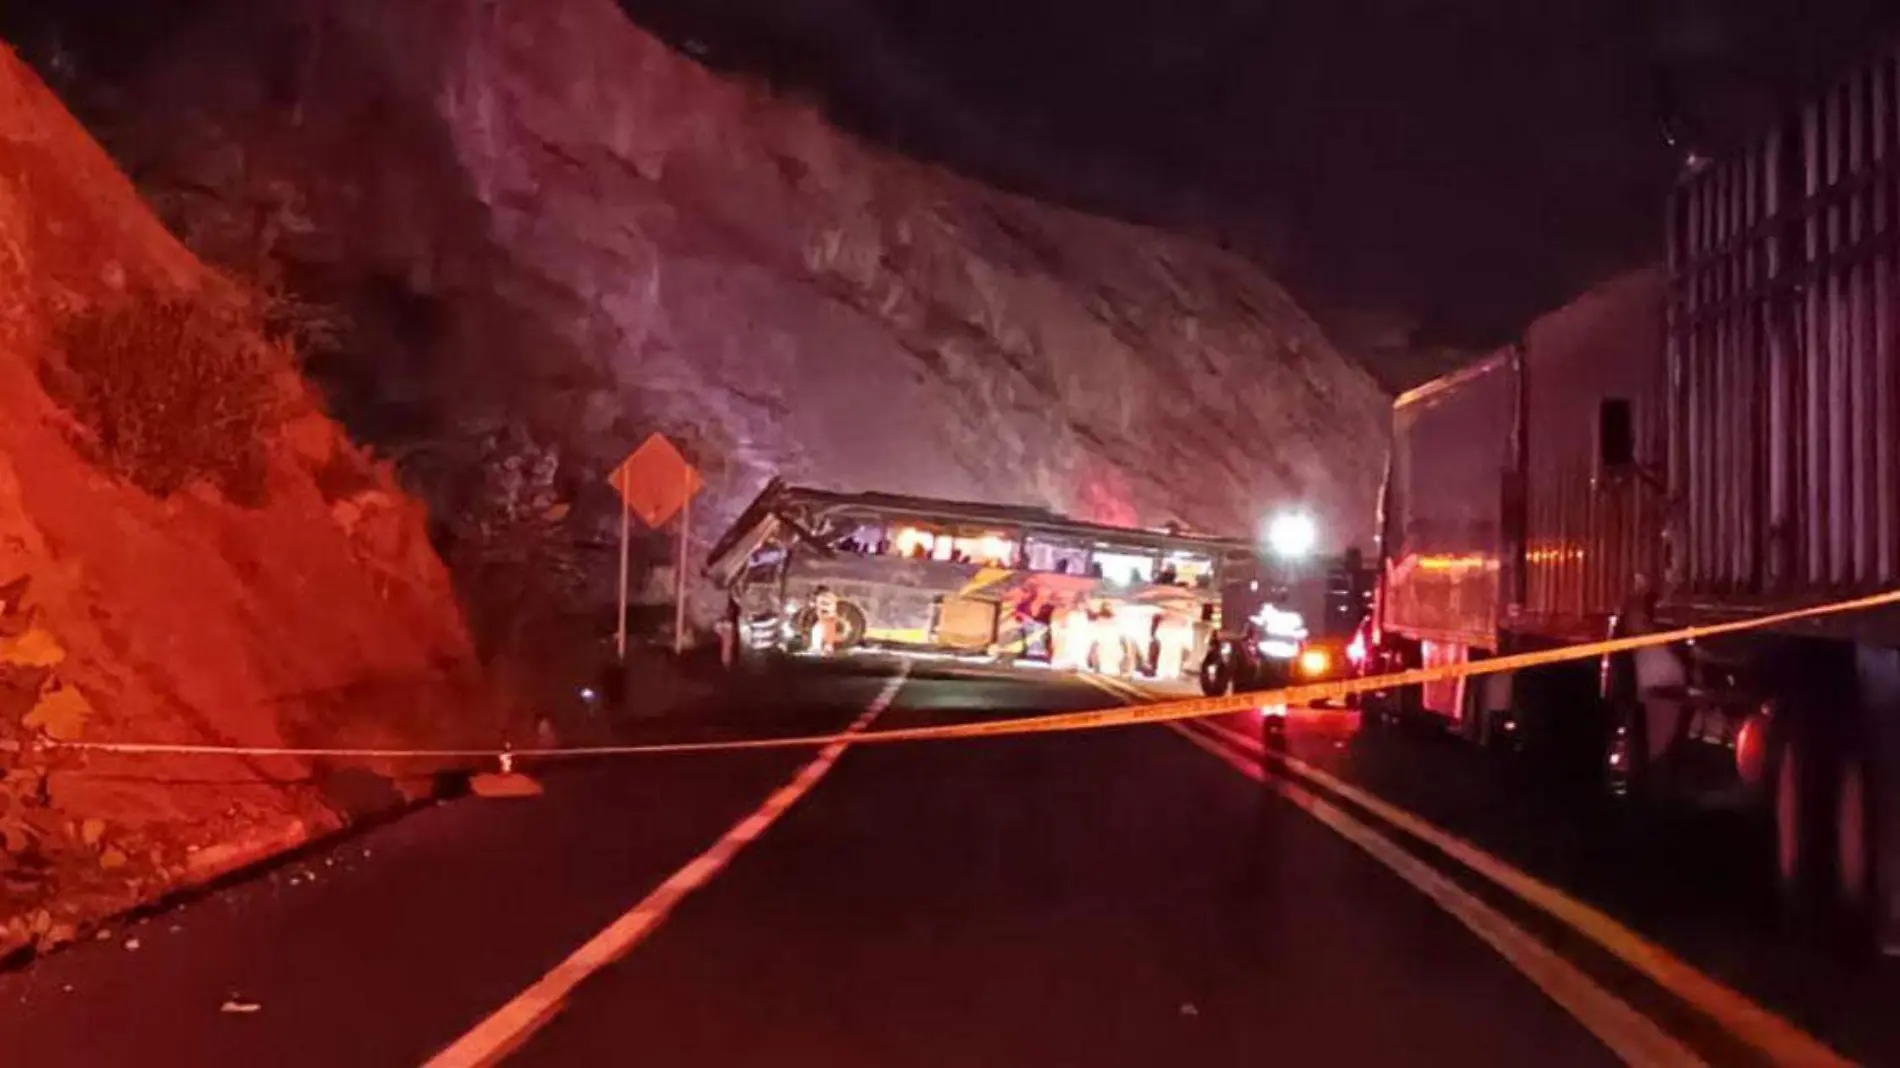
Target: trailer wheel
{"x": 1381, "y": 708}
{"x": 1217, "y": 677}
{"x": 1854, "y": 868}
{"x": 1246, "y": 671}
{"x": 1799, "y": 821}
{"x": 1626, "y": 754}
{"x": 1474, "y": 722}
{"x": 1399, "y": 706}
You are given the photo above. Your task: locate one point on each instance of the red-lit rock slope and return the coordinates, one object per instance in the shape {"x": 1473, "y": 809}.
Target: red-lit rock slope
{"x": 190, "y": 551}
{"x": 553, "y": 232}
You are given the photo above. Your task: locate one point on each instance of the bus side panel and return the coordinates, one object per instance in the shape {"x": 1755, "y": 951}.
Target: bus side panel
{"x": 970, "y": 607}
{"x": 898, "y": 597}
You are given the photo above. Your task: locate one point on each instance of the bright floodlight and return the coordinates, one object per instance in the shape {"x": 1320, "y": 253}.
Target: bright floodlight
{"x": 1292, "y": 535}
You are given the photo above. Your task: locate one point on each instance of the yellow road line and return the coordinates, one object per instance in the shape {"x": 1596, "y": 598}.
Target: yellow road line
{"x": 1774, "y": 1037}
{"x": 1114, "y": 687}
{"x": 1626, "y": 1032}
{"x": 495, "y": 1037}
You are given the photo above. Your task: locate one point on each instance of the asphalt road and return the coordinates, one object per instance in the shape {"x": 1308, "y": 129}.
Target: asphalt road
{"x": 1132, "y": 896}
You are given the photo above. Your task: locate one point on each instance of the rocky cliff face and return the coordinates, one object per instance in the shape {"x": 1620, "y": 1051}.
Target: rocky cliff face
{"x": 190, "y": 551}
{"x": 552, "y": 235}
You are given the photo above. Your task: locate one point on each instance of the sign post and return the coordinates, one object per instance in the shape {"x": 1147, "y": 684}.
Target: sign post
{"x": 679, "y": 573}
{"x": 655, "y": 482}
{"x": 620, "y": 621}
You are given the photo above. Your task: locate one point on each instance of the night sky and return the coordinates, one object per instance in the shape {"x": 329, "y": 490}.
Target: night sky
{"x": 1451, "y": 165}
{"x": 1440, "y": 169}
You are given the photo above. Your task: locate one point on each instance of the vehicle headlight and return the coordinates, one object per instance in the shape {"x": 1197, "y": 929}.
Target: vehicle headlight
{"x": 1315, "y": 662}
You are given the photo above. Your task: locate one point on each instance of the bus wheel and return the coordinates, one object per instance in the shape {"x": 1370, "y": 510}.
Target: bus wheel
{"x": 802, "y": 623}
{"x": 850, "y": 625}
{"x": 1217, "y": 677}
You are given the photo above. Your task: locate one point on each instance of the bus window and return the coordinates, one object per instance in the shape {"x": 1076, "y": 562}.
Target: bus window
{"x": 1056, "y": 557}
{"x": 1122, "y": 568}
{"x": 862, "y": 538}
{"x": 1187, "y": 569}
{"x": 915, "y": 542}
{"x": 989, "y": 549}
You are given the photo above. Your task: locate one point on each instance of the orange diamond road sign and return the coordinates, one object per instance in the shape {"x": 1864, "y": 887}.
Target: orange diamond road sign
{"x": 655, "y": 481}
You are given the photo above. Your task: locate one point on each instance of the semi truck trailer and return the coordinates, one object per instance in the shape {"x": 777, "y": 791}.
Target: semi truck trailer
{"x": 1710, "y": 439}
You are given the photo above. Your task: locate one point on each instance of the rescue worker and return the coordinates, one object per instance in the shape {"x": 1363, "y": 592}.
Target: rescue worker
{"x": 1108, "y": 640}
{"x": 1030, "y": 613}
{"x": 1044, "y": 633}
{"x": 728, "y": 629}
{"x": 1069, "y": 636}
{"x": 1173, "y": 639}
{"x": 827, "y": 630}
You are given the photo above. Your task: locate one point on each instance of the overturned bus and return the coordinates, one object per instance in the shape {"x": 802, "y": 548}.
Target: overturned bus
{"x": 809, "y": 570}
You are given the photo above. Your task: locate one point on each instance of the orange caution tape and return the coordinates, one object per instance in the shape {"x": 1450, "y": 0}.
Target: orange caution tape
{"x": 1094, "y": 719}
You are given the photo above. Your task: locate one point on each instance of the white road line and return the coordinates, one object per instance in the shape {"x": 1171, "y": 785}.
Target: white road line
{"x": 1628, "y": 1033}
{"x": 1776, "y": 1038}
{"x": 505, "y": 1030}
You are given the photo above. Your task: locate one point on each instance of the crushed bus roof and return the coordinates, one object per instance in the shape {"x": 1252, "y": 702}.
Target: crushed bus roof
{"x": 778, "y": 499}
